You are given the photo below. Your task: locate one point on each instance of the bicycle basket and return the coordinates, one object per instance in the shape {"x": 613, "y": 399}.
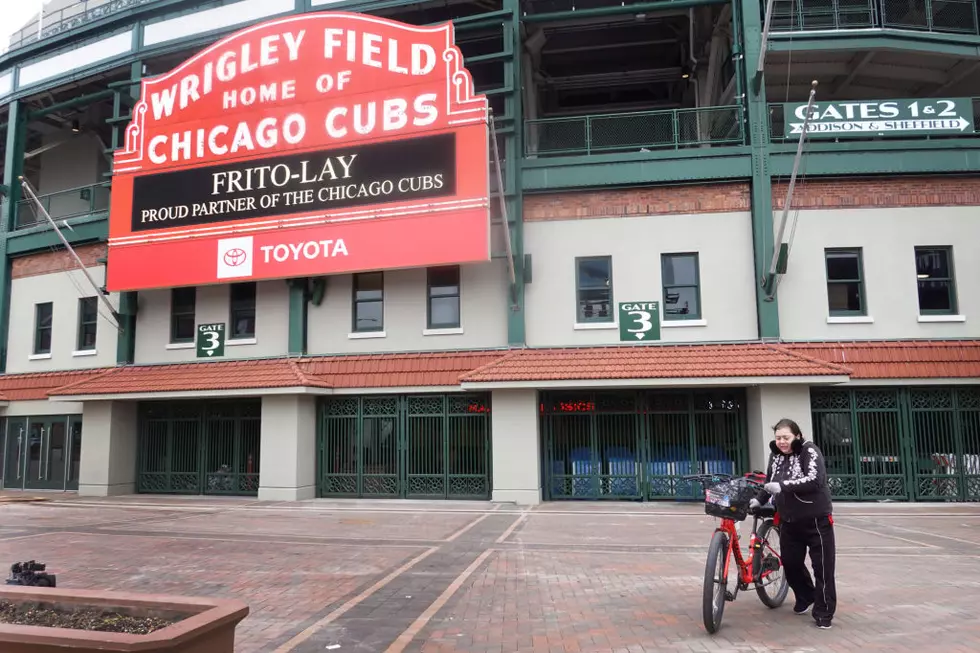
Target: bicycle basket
{"x": 730, "y": 499}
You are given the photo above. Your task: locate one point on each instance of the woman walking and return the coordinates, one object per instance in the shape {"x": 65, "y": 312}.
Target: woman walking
{"x": 796, "y": 480}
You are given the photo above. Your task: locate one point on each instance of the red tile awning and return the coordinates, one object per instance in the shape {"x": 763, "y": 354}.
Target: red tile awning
{"x": 332, "y": 372}
{"x": 905, "y": 359}
{"x": 667, "y": 362}
{"x": 35, "y": 386}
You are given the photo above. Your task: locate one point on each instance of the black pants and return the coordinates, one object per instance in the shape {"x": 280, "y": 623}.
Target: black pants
{"x": 817, "y": 535}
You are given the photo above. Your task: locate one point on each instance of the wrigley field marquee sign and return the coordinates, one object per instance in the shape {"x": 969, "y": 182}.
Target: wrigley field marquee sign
{"x": 317, "y": 144}
{"x": 880, "y": 118}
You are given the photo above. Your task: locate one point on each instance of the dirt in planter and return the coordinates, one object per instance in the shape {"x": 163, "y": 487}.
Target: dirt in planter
{"x": 35, "y": 614}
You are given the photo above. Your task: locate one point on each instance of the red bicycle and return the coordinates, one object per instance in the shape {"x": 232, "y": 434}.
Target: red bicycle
{"x": 727, "y": 497}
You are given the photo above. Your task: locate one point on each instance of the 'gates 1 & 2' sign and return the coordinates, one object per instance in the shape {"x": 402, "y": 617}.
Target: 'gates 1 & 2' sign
{"x": 317, "y": 144}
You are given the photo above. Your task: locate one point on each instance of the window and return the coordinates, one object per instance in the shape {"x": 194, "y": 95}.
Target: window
{"x": 845, "y": 281}
{"x": 680, "y": 277}
{"x": 88, "y": 320}
{"x": 593, "y": 289}
{"x": 443, "y": 289}
{"x": 934, "y": 269}
{"x": 182, "y": 302}
{"x": 42, "y": 328}
{"x": 368, "y": 302}
{"x": 242, "y": 302}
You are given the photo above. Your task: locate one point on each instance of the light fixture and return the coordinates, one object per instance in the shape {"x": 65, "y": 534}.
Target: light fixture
{"x": 922, "y": 276}
{"x": 75, "y": 126}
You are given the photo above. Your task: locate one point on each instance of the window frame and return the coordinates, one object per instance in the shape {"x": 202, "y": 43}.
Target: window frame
{"x": 951, "y": 288}
{"x": 858, "y": 252}
{"x": 355, "y": 302}
{"x": 580, "y": 317}
{"x": 38, "y": 329}
{"x": 174, "y": 314}
{"x": 429, "y": 272}
{"x": 679, "y": 317}
{"x": 234, "y": 311}
{"x": 82, "y": 323}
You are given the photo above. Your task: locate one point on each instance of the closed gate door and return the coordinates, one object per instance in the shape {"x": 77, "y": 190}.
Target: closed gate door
{"x": 638, "y": 444}
{"x": 429, "y": 446}
{"x": 41, "y": 453}
{"x": 900, "y": 443}
{"x": 199, "y": 447}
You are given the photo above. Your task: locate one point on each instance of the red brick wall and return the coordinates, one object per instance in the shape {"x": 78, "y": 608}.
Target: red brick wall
{"x": 881, "y": 192}
{"x": 700, "y": 198}
{"x": 734, "y": 196}
{"x": 57, "y": 261}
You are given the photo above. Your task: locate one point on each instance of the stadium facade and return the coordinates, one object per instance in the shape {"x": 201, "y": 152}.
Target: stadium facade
{"x": 508, "y": 250}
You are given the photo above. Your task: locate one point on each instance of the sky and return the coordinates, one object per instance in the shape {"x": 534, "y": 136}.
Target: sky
{"x": 13, "y": 16}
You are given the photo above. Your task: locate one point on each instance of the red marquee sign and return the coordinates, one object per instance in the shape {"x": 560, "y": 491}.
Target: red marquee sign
{"x": 317, "y": 144}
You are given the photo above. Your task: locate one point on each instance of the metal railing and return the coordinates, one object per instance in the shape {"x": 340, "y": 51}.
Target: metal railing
{"x": 777, "y": 122}
{"x": 72, "y": 16}
{"x": 634, "y": 132}
{"x": 940, "y": 16}
{"x": 64, "y": 204}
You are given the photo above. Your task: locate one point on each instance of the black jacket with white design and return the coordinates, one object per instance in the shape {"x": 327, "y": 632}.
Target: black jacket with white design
{"x": 802, "y": 478}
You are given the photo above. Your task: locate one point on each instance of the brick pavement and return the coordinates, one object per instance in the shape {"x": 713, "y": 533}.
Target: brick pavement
{"x": 417, "y": 577}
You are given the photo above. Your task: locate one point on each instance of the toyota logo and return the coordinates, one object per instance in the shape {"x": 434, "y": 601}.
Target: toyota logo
{"x": 235, "y": 257}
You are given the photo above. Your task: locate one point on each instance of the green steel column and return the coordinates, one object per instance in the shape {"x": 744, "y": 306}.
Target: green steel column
{"x": 514, "y": 155}
{"x": 12, "y": 166}
{"x": 129, "y": 300}
{"x": 298, "y": 315}
{"x": 749, "y": 15}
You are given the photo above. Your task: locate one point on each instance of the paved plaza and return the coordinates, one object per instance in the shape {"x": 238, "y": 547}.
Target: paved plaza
{"x": 418, "y": 577}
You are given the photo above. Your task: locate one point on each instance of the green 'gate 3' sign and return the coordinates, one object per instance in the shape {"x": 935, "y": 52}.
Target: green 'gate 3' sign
{"x": 639, "y": 321}
{"x": 854, "y": 119}
{"x": 210, "y": 340}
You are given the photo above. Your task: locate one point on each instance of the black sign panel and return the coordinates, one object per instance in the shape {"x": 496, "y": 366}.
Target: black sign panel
{"x": 377, "y": 173}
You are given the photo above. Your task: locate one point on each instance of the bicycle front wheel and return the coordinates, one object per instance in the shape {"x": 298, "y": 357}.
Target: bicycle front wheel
{"x": 715, "y": 583}
{"x": 767, "y": 567}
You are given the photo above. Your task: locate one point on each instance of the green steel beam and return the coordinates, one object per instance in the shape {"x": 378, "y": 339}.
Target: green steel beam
{"x": 67, "y": 104}
{"x": 39, "y": 239}
{"x": 602, "y": 12}
{"x": 128, "y": 300}
{"x": 875, "y": 161}
{"x": 513, "y": 154}
{"x": 748, "y": 16}
{"x": 696, "y": 164}
{"x": 13, "y": 162}
{"x": 960, "y": 45}
{"x": 299, "y": 304}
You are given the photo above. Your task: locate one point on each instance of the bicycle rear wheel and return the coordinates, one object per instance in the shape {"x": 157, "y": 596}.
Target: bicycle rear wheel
{"x": 715, "y": 583}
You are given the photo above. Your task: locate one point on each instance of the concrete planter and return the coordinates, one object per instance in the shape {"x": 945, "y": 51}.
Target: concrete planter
{"x": 208, "y": 625}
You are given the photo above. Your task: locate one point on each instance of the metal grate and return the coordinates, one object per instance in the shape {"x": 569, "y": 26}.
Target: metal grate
{"x": 634, "y": 132}
{"x": 939, "y": 16}
{"x": 199, "y": 448}
{"x": 900, "y": 444}
{"x": 636, "y": 445}
{"x": 428, "y": 446}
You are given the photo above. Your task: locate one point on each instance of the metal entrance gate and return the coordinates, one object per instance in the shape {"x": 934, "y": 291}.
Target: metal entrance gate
{"x": 900, "y": 443}
{"x": 199, "y": 447}
{"x": 420, "y": 447}
{"x": 636, "y": 444}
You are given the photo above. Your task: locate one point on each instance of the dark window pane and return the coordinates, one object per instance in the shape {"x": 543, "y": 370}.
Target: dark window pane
{"x": 681, "y": 300}
{"x": 935, "y": 295}
{"x": 594, "y": 273}
{"x": 444, "y": 312}
{"x": 368, "y": 286}
{"x": 43, "y": 316}
{"x": 44, "y": 341}
{"x": 843, "y": 266}
{"x": 443, "y": 278}
{"x": 844, "y": 297}
{"x": 184, "y": 327}
{"x": 89, "y": 309}
{"x": 594, "y": 304}
{"x": 680, "y": 270}
{"x": 242, "y": 297}
{"x": 183, "y": 299}
{"x": 932, "y": 263}
{"x": 369, "y": 316}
